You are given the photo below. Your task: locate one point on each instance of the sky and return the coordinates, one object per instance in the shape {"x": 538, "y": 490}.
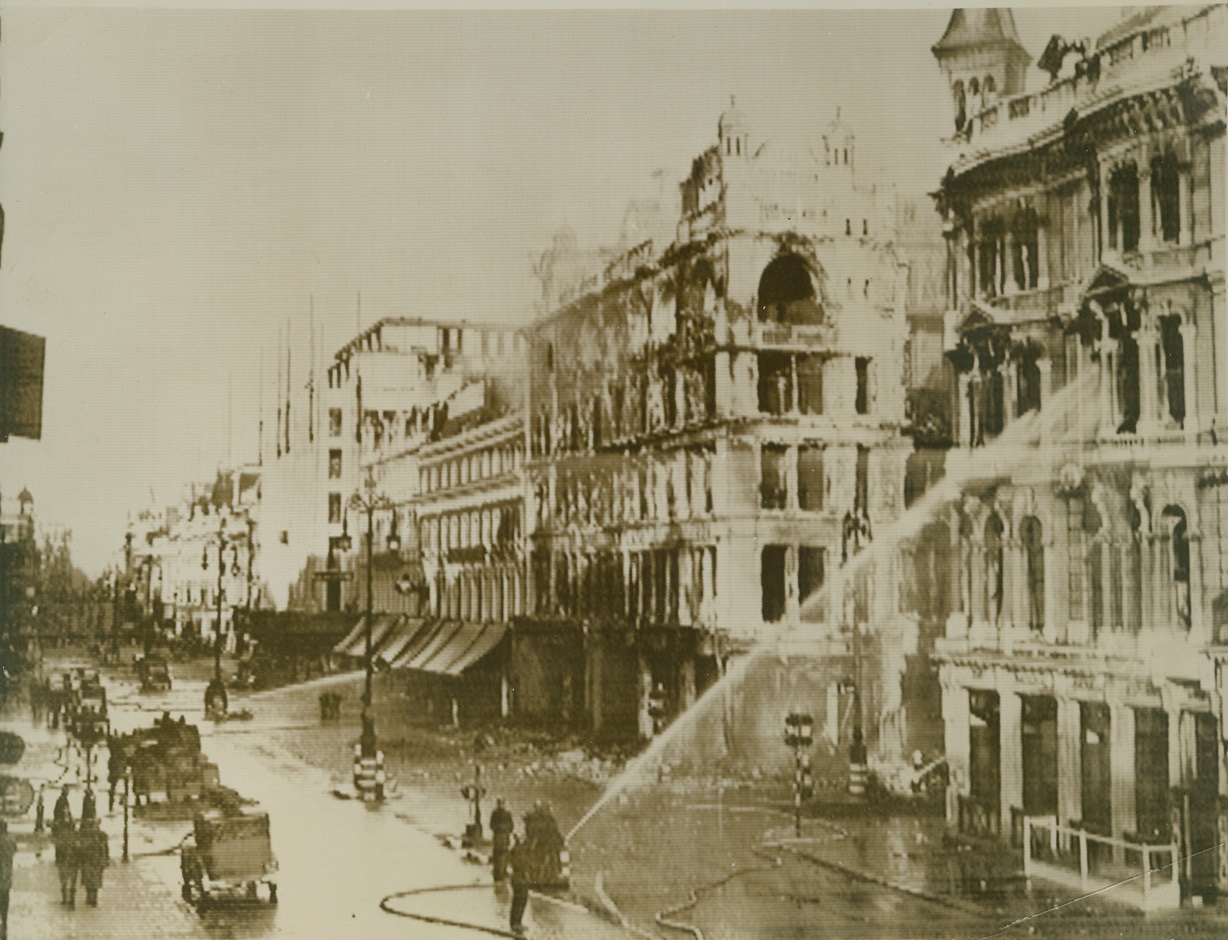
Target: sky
{"x": 180, "y": 185}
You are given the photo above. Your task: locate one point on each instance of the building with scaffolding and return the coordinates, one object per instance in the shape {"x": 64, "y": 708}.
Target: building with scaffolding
{"x": 1082, "y": 669}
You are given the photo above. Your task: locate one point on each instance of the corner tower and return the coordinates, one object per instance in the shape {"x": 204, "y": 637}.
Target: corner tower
{"x": 982, "y": 57}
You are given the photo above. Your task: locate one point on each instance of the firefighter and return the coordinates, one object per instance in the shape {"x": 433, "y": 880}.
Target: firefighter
{"x": 501, "y": 826}
{"x": 91, "y": 857}
{"x": 523, "y": 877}
{"x": 542, "y": 831}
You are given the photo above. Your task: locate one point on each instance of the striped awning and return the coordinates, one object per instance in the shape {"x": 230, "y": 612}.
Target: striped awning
{"x": 401, "y": 637}
{"x": 355, "y": 642}
{"x": 449, "y": 647}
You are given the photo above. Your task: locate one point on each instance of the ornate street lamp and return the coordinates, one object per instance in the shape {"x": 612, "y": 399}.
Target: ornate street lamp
{"x": 368, "y": 501}
{"x": 855, "y": 535}
{"x": 216, "y": 699}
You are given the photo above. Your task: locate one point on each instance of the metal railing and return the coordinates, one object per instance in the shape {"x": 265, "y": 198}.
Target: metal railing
{"x": 1142, "y": 875}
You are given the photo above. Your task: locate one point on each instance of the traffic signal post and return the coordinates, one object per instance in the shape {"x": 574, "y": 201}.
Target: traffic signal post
{"x": 799, "y": 735}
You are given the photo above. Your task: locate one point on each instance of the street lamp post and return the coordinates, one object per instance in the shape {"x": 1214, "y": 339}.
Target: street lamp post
{"x": 855, "y": 535}
{"x": 216, "y": 699}
{"x": 369, "y": 501}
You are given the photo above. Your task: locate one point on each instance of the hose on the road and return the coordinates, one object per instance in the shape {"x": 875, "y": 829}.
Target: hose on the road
{"x": 385, "y": 906}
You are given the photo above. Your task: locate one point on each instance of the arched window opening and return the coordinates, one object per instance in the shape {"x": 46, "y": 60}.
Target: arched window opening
{"x": 1031, "y": 535}
{"x": 1123, "y": 208}
{"x": 787, "y": 294}
{"x": 961, "y": 106}
{"x": 1173, "y": 350}
{"x": 1165, "y": 199}
{"x": 1179, "y": 561}
{"x": 990, "y": 261}
{"x": 993, "y": 567}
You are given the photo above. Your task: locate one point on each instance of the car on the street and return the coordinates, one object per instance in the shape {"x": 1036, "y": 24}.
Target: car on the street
{"x": 229, "y": 856}
{"x": 154, "y": 673}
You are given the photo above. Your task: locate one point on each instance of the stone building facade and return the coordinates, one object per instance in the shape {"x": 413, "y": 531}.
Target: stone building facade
{"x": 1083, "y": 665}
{"x": 704, "y": 419}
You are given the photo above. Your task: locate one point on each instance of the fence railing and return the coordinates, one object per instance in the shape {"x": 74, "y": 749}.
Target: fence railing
{"x": 1139, "y": 874}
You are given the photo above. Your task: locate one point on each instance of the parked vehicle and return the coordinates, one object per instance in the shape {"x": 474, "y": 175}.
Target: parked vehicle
{"x": 230, "y": 856}
{"x": 166, "y": 760}
{"x": 154, "y": 673}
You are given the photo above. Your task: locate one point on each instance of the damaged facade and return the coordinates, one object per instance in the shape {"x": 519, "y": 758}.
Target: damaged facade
{"x": 1083, "y": 665}
{"x": 703, "y": 422}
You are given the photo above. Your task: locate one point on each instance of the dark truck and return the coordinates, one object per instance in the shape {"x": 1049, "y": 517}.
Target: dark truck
{"x": 230, "y": 856}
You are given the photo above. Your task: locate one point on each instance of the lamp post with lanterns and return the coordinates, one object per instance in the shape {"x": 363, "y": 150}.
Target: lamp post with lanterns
{"x": 216, "y": 699}
{"x": 370, "y": 501}
{"x": 855, "y": 535}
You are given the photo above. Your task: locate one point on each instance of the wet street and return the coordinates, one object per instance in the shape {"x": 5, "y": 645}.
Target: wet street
{"x": 669, "y": 859}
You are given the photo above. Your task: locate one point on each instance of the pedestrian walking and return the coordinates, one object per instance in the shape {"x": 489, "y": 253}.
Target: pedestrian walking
{"x": 8, "y": 848}
{"x": 521, "y": 859}
{"x": 64, "y": 835}
{"x": 501, "y": 826}
{"x": 89, "y": 805}
{"x": 92, "y": 857}
{"x": 62, "y": 812}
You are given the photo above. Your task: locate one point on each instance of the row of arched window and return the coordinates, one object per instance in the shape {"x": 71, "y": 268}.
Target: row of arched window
{"x": 470, "y": 468}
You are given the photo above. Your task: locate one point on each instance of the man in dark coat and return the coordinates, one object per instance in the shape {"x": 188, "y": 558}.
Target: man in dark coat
{"x": 62, "y": 812}
{"x": 89, "y": 805}
{"x": 92, "y": 857}
{"x": 8, "y": 848}
{"x": 521, "y": 859}
{"x": 501, "y": 826}
{"x": 64, "y": 835}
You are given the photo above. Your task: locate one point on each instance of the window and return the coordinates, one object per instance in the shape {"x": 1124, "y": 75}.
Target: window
{"x": 810, "y": 571}
{"x": 862, "y": 401}
{"x": 1165, "y": 199}
{"x": 1123, "y": 208}
{"x": 810, "y": 481}
{"x": 772, "y": 582}
{"x": 334, "y": 422}
{"x": 994, "y": 558}
{"x": 1030, "y": 534}
{"x": 961, "y": 106}
{"x": 1174, "y": 366}
{"x": 1028, "y": 382}
{"x": 810, "y": 384}
{"x": 1179, "y": 560}
{"x": 1025, "y": 269}
{"x": 775, "y": 383}
{"x": 334, "y": 508}
{"x": 774, "y": 488}
{"x": 334, "y": 464}
{"x": 787, "y": 294}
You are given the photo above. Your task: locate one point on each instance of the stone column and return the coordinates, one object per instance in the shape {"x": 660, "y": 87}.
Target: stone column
{"x": 956, "y": 719}
{"x": 1044, "y": 366}
{"x": 1149, "y": 409}
{"x": 1010, "y": 755}
{"x": 963, "y": 414}
{"x": 1069, "y": 761}
{"x": 791, "y": 503}
{"x": 1042, "y": 242}
{"x": 1050, "y": 618}
{"x": 1166, "y": 613}
{"x": 1146, "y": 219}
{"x": 1200, "y": 633}
{"x": 1189, "y": 333}
{"x": 1106, "y": 253}
{"x": 1184, "y": 209}
{"x": 1010, "y": 389}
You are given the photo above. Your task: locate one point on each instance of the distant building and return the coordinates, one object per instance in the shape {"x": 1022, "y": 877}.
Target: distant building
{"x": 1082, "y": 668}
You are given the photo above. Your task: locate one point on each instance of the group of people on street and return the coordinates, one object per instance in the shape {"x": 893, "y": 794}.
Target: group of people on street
{"x": 534, "y": 858}
{"x": 81, "y": 852}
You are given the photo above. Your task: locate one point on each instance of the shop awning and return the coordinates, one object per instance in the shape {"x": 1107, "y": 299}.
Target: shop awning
{"x": 401, "y": 637}
{"x": 355, "y": 642}
{"x": 451, "y": 647}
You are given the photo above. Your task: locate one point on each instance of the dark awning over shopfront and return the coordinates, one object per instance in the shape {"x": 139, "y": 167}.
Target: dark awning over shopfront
{"x": 355, "y": 642}
{"x": 401, "y": 637}
{"x": 449, "y": 647}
